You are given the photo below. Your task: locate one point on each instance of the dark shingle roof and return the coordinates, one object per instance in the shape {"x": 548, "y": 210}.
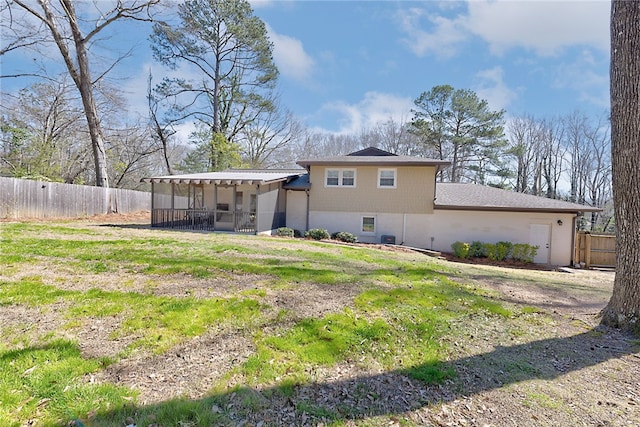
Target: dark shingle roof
{"x": 298, "y": 183}
{"x": 458, "y": 196}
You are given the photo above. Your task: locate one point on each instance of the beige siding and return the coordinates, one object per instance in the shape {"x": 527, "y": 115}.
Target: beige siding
{"x": 297, "y": 210}
{"x": 414, "y": 192}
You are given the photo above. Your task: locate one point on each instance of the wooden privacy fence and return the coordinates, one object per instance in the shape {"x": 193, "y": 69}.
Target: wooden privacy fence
{"x": 22, "y": 198}
{"x": 595, "y": 250}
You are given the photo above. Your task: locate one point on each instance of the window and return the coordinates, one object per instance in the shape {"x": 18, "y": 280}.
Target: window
{"x": 368, "y": 224}
{"x": 348, "y": 178}
{"x": 333, "y": 177}
{"x": 340, "y": 178}
{"x": 386, "y": 178}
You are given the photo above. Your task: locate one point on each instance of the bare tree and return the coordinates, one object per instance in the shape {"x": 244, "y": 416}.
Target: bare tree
{"x": 623, "y": 309}
{"x": 266, "y": 140}
{"x": 524, "y": 147}
{"x": 549, "y": 166}
{"x": 44, "y": 133}
{"x": 162, "y": 130}
{"x": 65, "y": 27}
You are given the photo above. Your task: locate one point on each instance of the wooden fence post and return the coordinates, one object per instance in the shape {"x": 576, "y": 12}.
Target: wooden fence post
{"x": 587, "y": 250}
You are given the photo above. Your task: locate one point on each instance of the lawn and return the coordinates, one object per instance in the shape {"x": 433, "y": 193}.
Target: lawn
{"x": 115, "y": 324}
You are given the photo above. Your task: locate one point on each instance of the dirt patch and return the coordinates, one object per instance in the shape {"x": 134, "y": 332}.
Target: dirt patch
{"x": 554, "y": 366}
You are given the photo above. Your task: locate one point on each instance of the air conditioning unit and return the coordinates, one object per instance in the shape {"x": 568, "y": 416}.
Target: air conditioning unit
{"x": 388, "y": 240}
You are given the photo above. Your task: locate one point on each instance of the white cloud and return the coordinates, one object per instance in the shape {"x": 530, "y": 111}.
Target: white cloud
{"x": 546, "y": 27}
{"x": 373, "y": 109}
{"x": 447, "y": 33}
{"x": 493, "y": 88}
{"x": 580, "y": 76}
{"x": 543, "y": 26}
{"x": 290, "y": 56}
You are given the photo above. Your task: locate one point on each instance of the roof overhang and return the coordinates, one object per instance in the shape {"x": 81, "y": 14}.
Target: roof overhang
{"x": 514, "y": 209}
{"x": 232, "y": 177}
{"x": 373, "y": 161}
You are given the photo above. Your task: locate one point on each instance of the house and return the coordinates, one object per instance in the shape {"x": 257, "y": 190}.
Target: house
{"x": 378, "y": 196}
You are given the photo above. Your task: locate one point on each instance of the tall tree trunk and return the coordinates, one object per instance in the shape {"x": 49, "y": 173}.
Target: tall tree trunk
{"x": 623, "y": 310}
{"x": 85, "y": 86}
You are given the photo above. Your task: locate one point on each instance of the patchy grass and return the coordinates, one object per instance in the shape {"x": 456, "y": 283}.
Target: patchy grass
{"x": 404, "y": 319}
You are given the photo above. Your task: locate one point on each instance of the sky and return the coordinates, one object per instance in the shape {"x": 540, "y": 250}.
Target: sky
{"x": 347, "y": 65}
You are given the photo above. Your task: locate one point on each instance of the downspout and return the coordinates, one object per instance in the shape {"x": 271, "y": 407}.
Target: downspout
{"x": 234, "y": 207}
{"x": 404, "y": 228}
{"x": 173, "y": 203}
{"x": 573, "y": 240}
{"x": 307, "y": 191}
{"x": 307, "y": 219}
{"x": 215, "y": 205}
{"x": 258, "y": 216}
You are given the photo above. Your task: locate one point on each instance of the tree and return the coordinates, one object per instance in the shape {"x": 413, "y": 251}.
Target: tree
{"x": 623, "y": 309}
{"x": 461, "y": 128}
{"x": 266, "y": 141}
{"x": 227, "y": 46}
{"x": 162, "y": 130}
{"x": 67, "y": 29}
{"x": 42, "y": 133}
{"x": 524, "y": 148}
{"x": 213, "y": 152}
{"x": 551, "y": 161}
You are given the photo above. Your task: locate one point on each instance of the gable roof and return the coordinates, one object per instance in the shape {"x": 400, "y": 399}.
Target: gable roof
{"x": 371, "y": 151}
{"x": 374, "y": 157}
{"x": 231, "y": 176}
{"x": 462, "y": 196}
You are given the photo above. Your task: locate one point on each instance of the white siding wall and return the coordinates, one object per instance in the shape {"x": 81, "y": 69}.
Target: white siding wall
{"x": 446, "y": 227}
{"x": 449, "y": 226}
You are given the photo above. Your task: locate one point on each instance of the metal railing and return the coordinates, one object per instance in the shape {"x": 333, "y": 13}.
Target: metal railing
{"x": 202, "y": 219}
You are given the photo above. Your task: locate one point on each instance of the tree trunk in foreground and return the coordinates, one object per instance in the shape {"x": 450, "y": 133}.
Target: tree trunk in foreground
{"x": 623, "y": 310}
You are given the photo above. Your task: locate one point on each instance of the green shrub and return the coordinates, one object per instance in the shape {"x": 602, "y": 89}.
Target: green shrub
{"x": 503, "y": 250}
{"x": 524, "y": 252}
{"x": 317, "y": 234}
{"x": 344, "y": 236}
{"x": 476, "y": 249}
{"x": 285, "y": 232}
{"x": 490, "y": 251}
{"x": 460, "y": 249}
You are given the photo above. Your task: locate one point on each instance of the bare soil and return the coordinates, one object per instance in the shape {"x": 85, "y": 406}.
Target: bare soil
{"x": 555, "y": 366}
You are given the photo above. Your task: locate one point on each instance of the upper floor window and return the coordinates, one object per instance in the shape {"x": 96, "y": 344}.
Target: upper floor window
{"x": 340, "y": 178}
{"x": 387, "y": 178}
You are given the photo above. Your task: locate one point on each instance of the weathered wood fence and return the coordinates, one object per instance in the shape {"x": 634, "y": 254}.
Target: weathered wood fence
{"x": 21, "y": 198}
{"x": 595, "y": 250}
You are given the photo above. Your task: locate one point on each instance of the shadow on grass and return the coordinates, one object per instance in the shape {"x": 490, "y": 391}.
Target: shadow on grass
{"x": 354, "y": 395}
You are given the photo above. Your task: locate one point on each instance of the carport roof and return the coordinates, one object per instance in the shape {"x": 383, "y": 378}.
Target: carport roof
{"x": 463, "y": 196}
{"x": 229, "y": 177}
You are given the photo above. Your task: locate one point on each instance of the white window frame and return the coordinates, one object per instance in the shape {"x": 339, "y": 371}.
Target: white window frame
{"x": 362, "y": 224}
{"x": 395, "y": 177}
{"x": 340, "y": 177}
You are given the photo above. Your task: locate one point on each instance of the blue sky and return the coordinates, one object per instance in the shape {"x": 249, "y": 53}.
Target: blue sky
{"x": 346, "y": 65}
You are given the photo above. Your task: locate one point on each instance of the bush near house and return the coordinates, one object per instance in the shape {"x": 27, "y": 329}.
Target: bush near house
{"x": 524, "y": 252}
{"x": 499, "y": 251}
{"x": 345, "y": 236}
{"x": 460, "y": 249}
{"x": 285, "y": 232}
{"x": 477, "y": 250}
{"x": 317, "y": 234}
